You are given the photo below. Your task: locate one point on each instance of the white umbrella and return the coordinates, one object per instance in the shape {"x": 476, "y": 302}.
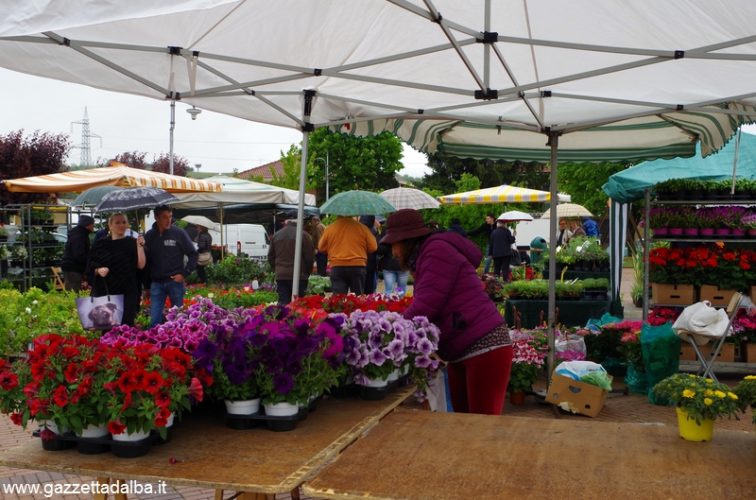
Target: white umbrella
{"x": 568, "y": 210}
{"x": 403, "y": 197}
{"x": 201, "y": 220}
{"x": 514, "y": 216}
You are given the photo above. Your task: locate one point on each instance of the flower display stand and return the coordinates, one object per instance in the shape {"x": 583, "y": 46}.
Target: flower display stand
{"x": 715, "y": 295}
{"x": 532, "y": 313}
{"x": 726, "y": 354}
{"x": 673, "y": 295}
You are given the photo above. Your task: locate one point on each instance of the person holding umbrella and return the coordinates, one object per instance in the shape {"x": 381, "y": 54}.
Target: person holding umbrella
{"x": 114, "y": 262}
{"x": 166, "y": 246}
{"x": 76, "y": 253}
{"x": 474, "y": 338}
{"x": 204, "y": 247}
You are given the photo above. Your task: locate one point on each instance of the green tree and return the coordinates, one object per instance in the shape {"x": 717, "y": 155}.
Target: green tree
{"x": 37, "y": 154}
{"x": 583, "y": 182}
{"x": 448, "y": 169}
{"x": 368, "y": 163}
{"x": 292, "y": 163}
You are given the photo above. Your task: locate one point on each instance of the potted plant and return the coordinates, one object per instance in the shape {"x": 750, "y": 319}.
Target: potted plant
{"x": 3, "y": 233}
{"x": 527, "y": 363}
{"x": 699, "y": 401}
{"x": 659, "y": 221}
{"x": 749, "y": 224}
{"x": 746, "y": 392}
{"x": 595, "y": 288}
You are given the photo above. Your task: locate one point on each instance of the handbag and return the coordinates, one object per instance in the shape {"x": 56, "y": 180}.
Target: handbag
{"x": 514, "y": 258}
{"x": 204, "y": 258}
{"x": 100, "y": 313}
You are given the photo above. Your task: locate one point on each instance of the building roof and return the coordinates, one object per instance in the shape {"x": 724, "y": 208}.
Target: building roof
{"x": 264, "y": 171}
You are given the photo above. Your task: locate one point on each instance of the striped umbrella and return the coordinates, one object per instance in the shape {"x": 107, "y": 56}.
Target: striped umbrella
{"x": 134, "y": 198}
{"x": 499, "y": 194}
{"x": 356, "y": 203}
{"x": 569, "y": 210}
{"x": 403, "y": 197}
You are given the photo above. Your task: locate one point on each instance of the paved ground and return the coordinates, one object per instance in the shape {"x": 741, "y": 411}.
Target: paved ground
{"x": 619, "y": 407}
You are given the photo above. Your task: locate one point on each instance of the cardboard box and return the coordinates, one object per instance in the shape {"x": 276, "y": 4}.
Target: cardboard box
{"x": 715, "y": 295}
{"x": 673, "y": 295}
{"x": 577, "y": 397}
{"x": 753, "y": 294}
{"x": 749, "y": 353}
{"x": 726, "y": 354}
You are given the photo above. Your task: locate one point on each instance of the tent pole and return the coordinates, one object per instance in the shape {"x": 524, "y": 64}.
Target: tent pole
{"x": 308, "y": 98}
{"x": 735, "y": 162}
{"x": 170, "y": 141}
{"x": 554, "y": 201}
{"x": 646, "y": 231}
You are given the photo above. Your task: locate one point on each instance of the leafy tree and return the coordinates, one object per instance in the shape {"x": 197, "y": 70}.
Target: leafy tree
{"x": 368, "y": 163}
{"x": 583, "y": 182}
{"x": 134, "y": 159}
{"x": 292, "y": 164}
{"x": 448, "y": 169}
{"x": 38, "y": 154}
{"x": 163, "y": 164}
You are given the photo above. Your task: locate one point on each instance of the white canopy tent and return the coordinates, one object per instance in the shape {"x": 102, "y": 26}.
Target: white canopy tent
{"x": 510, "y": 79}
{"x": 241, "y": 191}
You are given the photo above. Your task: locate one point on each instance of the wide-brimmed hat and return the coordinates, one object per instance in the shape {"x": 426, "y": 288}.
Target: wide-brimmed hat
{"x": 403, "y": 225}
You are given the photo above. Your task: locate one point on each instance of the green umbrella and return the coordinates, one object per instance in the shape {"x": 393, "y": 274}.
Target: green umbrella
{"x": 357, "y": 203}
{"x": 92, "y": 196}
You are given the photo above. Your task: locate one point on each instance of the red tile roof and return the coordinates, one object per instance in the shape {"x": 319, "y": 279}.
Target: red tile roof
{"x": 264, "y": 171}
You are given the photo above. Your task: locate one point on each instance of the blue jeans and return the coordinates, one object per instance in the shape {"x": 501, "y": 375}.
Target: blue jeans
{"x": 487, "y": 260}
{"x": 158, "y": 292}
{"x": 395, "y": 282}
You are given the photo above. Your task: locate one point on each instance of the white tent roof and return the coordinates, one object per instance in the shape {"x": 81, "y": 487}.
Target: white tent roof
{"x": 664, "y": 74}
{"x": 241, "y": 191}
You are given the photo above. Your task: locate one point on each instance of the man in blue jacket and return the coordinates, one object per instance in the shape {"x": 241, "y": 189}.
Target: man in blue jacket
{"x": 165, "y": 247}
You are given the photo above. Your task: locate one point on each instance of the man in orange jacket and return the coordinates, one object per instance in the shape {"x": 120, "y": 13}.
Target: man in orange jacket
{"x": 348, "y": 244}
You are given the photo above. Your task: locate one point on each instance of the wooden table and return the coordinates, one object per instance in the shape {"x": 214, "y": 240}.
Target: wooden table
{"x": 421, "y": 455}
{"x": 208, "y": 454}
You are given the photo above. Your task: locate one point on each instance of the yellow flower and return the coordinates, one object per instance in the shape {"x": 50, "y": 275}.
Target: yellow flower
{"x": 708, "y": 392}
{"x": 750, "y": 377}
{"x": 687, "y": 393}
{"x": 709, "y": 380}
{"x": 210, "y": 295}
{"x": 708, "y": 401}
{"x": 732, "y": 395}
{"x": 719, "y": 394}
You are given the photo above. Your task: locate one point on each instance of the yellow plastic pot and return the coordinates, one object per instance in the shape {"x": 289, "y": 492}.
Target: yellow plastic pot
{"x": 690, "y": 430}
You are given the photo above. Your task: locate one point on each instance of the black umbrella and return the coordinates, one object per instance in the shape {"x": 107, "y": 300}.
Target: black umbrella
{"x": 134, "y": 198}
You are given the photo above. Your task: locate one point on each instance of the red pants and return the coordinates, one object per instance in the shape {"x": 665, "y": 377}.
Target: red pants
{"x": 479, "y": 384}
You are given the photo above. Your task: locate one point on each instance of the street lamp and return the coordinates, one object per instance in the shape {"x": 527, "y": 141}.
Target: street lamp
{"x": 325, "y": 162}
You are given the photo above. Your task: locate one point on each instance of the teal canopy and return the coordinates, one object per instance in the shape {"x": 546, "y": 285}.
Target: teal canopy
{"x": 630, "y": 184}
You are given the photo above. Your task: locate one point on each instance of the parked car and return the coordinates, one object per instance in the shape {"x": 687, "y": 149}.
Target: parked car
{"x": 250, "y": 240}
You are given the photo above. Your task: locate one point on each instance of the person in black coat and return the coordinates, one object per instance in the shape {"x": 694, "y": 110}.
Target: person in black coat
{"x": 371, "y": 269}
{"x": 76, "y": 253}
{"x": 456, "y": 226}
{"x": 501, "y": 249}
{"x": 486, "y": 228}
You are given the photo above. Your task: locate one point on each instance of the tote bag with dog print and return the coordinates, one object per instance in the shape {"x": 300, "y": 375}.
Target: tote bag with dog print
{"x": 100, "y": 313}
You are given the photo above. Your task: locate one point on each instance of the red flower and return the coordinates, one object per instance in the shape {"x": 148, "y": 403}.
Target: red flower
{"x": 16, "y": 418}
{"x": 153, "y": 382}
{"x": 60, "y": 396}
{"x": 8, "y": 380}
{"x": 195, "y": 389}
{"x": 128, "y": 382}
{"x": 71, "y": 373}
{"x": 116, "y": 427}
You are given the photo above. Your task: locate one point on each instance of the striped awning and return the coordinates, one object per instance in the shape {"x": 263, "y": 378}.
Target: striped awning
{"x": 499, "y": 194}
{"x": 77, "y": 181}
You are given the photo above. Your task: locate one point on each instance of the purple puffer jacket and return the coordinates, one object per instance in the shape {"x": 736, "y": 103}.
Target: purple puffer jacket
{"x": 449, "y": 292}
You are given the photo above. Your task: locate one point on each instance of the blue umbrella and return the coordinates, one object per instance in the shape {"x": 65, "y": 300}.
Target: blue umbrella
{"x": 134, "y": 198}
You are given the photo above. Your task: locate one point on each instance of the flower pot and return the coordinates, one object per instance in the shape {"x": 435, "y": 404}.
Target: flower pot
{"x": 517, "y": 398}
{"x": 375, "y": 382}
{"x": 244, "y": 407}
{"x": 752, "y": 233}
{"x": 691, "y": 232}
{"x": 92, "y": 440}
{"x": 676, "y": 231}
{"x": 706, "y": 232}
{"x": 692, "y": 431}
{"x": 737, "y": 232}
{"x": 131, "y": 445}
{"x": 394, "y": 376}
{"x": 660, "y": 232}
{"x": 281, "y": 409}
{"x": 722, "y": 231}
{"x": 52, "y": 437}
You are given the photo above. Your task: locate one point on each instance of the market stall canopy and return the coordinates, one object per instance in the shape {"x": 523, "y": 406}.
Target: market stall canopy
{"x": 241, "y": 191}
{"x": 499, "y": 194}
{"x": 77, "y": 181}
{"x": 568, "y": 210}
{"x": 630, "y": 184}
{"x": 616, "y": 79}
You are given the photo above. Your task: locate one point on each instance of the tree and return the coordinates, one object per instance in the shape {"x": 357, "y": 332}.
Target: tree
{"x": 583, "y": 182}
{"x": 163, "y": 164}
{"x": 368, "y": 163}
{"x": 38, "y": 154}
{"x": 292, "y": 164}
{"x": 133, "y": 159}
{"x": 449, "y": 169}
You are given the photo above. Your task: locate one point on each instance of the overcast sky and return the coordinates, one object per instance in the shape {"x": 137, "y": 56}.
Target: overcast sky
{"x": 217, "y": 142}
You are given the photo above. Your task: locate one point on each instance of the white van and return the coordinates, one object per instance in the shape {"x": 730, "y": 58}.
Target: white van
{"x": 248, "y": 239}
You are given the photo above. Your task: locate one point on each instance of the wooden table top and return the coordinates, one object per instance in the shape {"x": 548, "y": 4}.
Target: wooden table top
{"x": 420, "y": 455}
{"x": 208, "y": 454}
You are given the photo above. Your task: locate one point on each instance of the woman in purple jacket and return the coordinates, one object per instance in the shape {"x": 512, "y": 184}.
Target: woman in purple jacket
{"x": 474, "y": 338}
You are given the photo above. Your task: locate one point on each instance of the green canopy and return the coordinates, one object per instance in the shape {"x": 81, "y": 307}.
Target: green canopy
{"x": 630, "y": 184}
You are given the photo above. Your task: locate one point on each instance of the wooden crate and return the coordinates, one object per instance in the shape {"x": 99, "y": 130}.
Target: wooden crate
{"x": 748, "y": 353}
{"x": 715, "y": 295}
{"x": 753, "y": 294}
{"x": 727, "y": 353}
{"x": 673, "y": 295}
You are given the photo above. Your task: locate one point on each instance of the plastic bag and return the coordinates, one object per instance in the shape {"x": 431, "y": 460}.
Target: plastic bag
{"x": 636, "y": 381}
{"x": 578, "y": 369}
{"x": 598, "y": 378}
{"x": 572, "y": 348}
{"x": 661, "y": 355}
